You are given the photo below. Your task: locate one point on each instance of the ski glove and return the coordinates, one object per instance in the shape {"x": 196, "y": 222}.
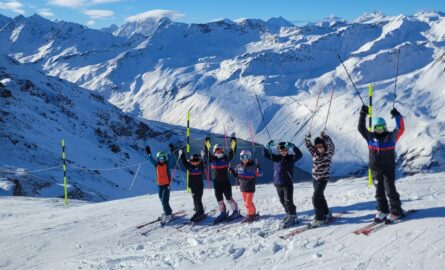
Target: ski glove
{"x": 365, "y": 109}
{"x": 308, "y": 137}
{"x": 395, "y": 112}
{"x": 171, "y": 147}
{"x": 207, "y": 143}
{"x": 148, "y": 150}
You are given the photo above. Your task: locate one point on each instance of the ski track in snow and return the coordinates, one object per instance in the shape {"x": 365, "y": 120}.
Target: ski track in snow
{"x": 42, "y": 234}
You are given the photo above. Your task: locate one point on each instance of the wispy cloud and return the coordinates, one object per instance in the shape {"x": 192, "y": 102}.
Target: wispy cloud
{"x": 45, "y": 12}
{"x": 91, "y": 23}
{"x": 104, "y": 1}
{"x": 98, "y": 13}
{"x": 14, "y": 6}
{"x": 68, "y": 3}
{"x": 155, "y": 13}
{"x": 80, "y": 3}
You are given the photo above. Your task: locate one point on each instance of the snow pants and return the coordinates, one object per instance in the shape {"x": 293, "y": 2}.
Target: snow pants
{"x": 318, "y": 200}
{"x": 164, "y": 196}
{"x": 286, "y": 195}
{"x": 384, "y": 181}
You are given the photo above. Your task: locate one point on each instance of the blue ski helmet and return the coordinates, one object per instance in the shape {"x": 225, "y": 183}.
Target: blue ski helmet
{"x": 379, "y": 121}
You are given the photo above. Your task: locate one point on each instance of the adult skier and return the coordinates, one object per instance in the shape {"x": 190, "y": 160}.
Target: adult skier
{"x": 246, "y": 172}
{"x": 382, "y": 162}
{"x": 322, "y": 152}
{"x": 219, "y": 163}
{"x": 283, "y": 166}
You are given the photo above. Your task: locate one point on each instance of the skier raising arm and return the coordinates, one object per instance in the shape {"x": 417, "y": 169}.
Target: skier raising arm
{"x": 163, "y": 164}
{"x": 219, "y": 163}
{"x": 283, "y": 166}
{"x": 195, "y": 166}
{"x": 322, "y": 152}
{"x": 382, "y": 163}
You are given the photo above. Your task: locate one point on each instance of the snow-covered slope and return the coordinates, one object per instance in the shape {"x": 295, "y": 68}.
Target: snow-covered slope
{"x": 166, "y": 68}
{"x": 38, "y": 111}
{"x": 42, "y": 234}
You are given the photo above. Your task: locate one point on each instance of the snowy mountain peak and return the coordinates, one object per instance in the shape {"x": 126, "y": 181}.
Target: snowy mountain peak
{"x": 370, "y": 18}
{"x": 4, "y": 20}
{"x": 145, "y": 27}
{"x": 110, "y": 29}
{"x": 280, "y": 21}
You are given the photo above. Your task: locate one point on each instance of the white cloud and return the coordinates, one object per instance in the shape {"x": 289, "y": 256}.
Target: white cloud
{"x": 79, "y": 3}
{"x": 14, "y": 6}
{"x": 98, "y": 13}
{"x": 45, "y": 12}
{"x": 155, "y": 13}
{"x": 67, "y": 3}
{"x": 91, "y": 23}
{"x": 104, "y": 1}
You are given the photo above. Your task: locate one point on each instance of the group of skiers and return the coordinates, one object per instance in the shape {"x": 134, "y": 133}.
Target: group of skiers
{"x": 382, "y": 161}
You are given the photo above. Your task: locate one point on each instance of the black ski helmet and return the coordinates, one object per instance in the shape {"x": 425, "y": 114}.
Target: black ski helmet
{"x": 282, "y": 145}
{"x": 319, "y": 140}
{"x": 196, "y": 158}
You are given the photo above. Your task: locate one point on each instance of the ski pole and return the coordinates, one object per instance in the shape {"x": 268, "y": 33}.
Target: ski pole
{"x": 315, "y": 111}
{"x": 253, "y": 142}
{"x": 397, "y": 74}
{"x": 262, "y": 115}
{"x": 329, "y": 109}
{"x": 188, "y": 149}
{"x": 370, "y": 181}
{"x": 353, "y": 84}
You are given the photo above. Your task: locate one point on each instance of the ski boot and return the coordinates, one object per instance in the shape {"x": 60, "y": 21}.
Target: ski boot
{"x": 197, "y": 217}
{"x": 250, "y": 218}
{"x": 222, "y": 217}
{"x": 166, "y": 219}
{"x": 380, "y": 217}
{"x": 235, "y": 214}
{"x": 394, "y": 216}
{"x": 290, "y": 221}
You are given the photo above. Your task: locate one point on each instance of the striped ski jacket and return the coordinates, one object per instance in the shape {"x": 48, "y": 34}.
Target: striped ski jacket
{"x": 321, "y": 162}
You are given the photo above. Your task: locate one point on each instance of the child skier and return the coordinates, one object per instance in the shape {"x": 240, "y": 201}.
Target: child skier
{"x": 220, "y": 173}
{"x": 283, "y": 165}
{"x": 247, "y": 172}
{"x": 163, "y": 164}
{"x": 322, "y": 152}
{"x": 382, "y": 163}
{"x": 195, "y": 166}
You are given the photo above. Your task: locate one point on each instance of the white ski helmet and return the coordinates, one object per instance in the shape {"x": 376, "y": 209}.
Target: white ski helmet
{"x": 245, "y": 153}
{"x": 216, "y": 147}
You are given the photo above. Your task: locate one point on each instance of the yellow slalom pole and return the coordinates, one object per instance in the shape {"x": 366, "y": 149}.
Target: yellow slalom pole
{"x": 370, "y": 181}
{"x": 64, "y": 173}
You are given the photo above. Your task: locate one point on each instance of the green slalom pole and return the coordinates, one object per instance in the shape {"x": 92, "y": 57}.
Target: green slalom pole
{"x": 188, "y": 148}
{"x": 370, "y": 182}
{"x": 64, "y": 173}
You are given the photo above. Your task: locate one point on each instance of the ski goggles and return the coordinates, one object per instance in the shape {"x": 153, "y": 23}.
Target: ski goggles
{"x": 245, "y": 157}
{"x": 161, "y": 158}
{"x": 379, "y": 128}
{"x": 282, "y": 149}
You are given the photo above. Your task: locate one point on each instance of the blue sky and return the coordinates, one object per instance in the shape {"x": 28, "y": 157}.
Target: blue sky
{"x": 102, "y": 13}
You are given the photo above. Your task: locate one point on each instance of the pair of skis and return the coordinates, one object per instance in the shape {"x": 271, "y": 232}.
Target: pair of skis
{"x": 307, "y": 227}
{"x": 374, "y": 227}
{"x": 193, "y": 223}
{"x": 176, "y": 215}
